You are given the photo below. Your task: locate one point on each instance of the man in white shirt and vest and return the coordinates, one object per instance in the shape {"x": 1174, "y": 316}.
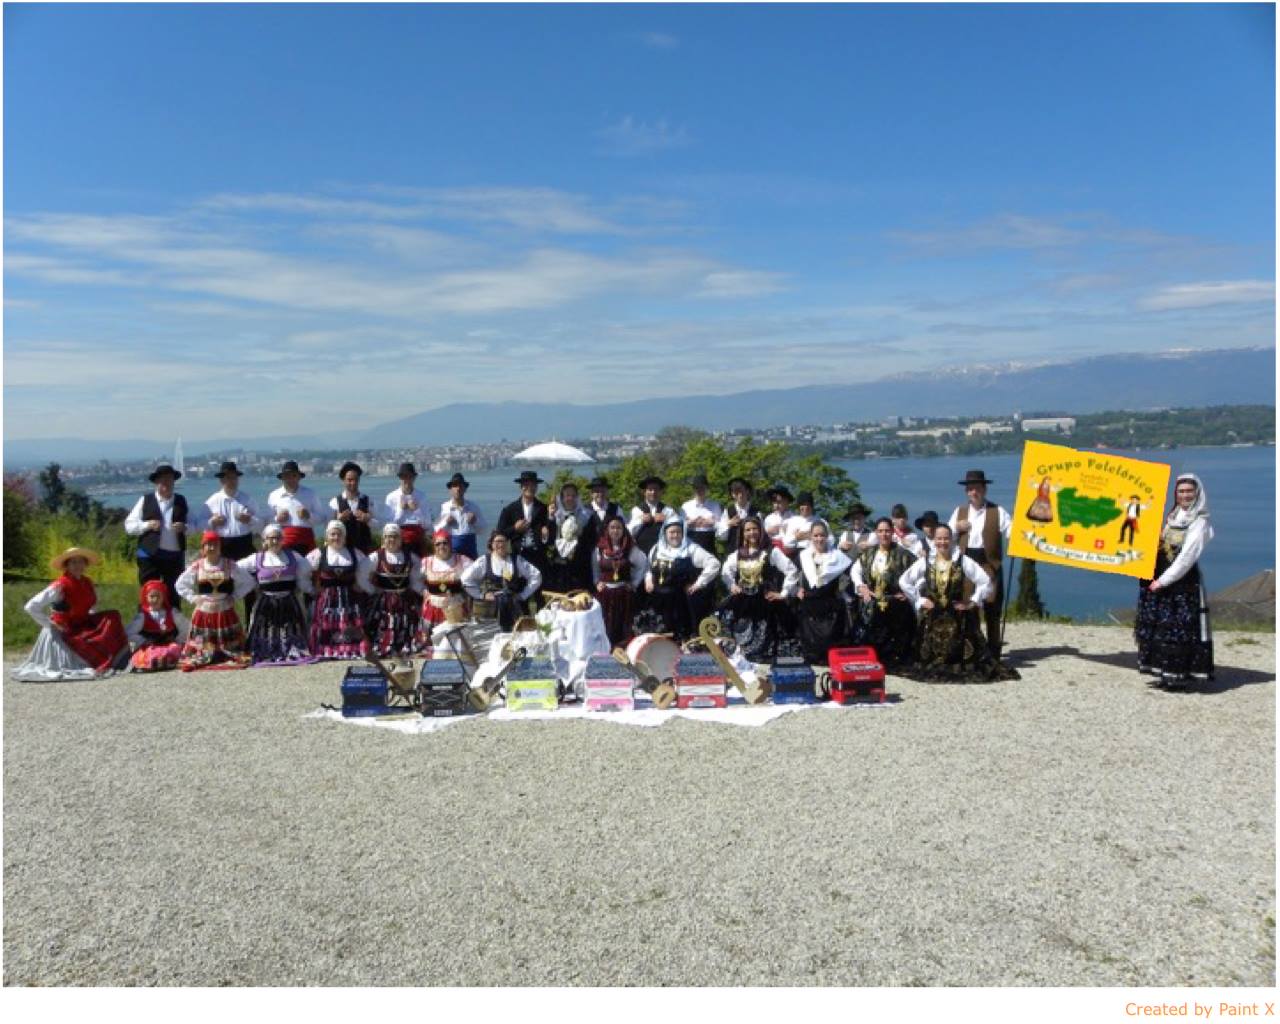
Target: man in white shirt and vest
{"x": 159, "y": 521}
{"x": 981, "y": 527}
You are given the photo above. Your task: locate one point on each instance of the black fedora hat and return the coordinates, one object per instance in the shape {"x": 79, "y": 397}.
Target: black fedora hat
{"x": 653, "y": 480}
{"x": 226, "y": 468}
{"x": 699, "y": 480}
{"x": 458, "y": 480}
{"x": 406, "y": 469}
{"x": 289, "y": 467}
{"x": 741, "y": 480}
{"x": 529, "y": 477}
{"x": 347, "y": 467}
{"x": 781, "y": 491}
{"x": 805, "y": 498}
{"x": 598, "y": 483}
{"x": 975, "y": 476}
{"x": 857, "y": 509}
{"x": 899, "y": 511}
{"x": 930, "y": 518}
{"x": 162, "y": 469}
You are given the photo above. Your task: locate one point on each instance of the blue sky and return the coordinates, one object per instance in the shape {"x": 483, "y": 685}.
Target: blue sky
{"x": 254, "y": 219}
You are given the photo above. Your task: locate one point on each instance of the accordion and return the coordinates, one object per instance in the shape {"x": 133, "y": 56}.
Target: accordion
{"x": 794, "y": 682}
{"x": 442, "y": 689}
{"x": 856, "y": 672}
{"x": 700, "y": 682}
{"x": 364, "y": 692}
{"x": 532, "y": 686}
{"x": 608, "y": 684}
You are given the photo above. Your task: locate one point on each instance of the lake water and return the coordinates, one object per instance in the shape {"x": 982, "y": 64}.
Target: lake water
{"x": 1240, "y": 483}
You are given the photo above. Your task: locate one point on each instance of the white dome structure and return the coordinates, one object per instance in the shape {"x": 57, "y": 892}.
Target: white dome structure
{"x": 552, "y": 452}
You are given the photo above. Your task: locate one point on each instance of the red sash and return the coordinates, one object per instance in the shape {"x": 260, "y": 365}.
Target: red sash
{"x": 301, "y": 539}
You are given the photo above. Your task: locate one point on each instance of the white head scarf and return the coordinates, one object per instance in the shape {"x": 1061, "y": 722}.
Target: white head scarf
{"x": 664, "y": 550}
{"x": 272, "y": 529}
{"x": 340, "y": 525}
{"x": 1180, "y": 518}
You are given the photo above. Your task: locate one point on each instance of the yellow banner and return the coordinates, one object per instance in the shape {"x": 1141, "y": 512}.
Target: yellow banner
{"x": 1088, "y": 510}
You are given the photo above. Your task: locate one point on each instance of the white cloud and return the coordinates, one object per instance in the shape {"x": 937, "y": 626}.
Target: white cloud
{"x": 1006, "y": 231}
{"x": 1208, "y": 293}
{"x": 735, "y": 284}
{"x": 631, "y": 137}
{"x": 659, "y": 40}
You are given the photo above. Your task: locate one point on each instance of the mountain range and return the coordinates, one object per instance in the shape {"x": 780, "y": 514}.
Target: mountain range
{"x": 1182, "y": 378}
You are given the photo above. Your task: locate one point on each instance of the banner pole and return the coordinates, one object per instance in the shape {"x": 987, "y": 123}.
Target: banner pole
{"x": 1004, "y": 604}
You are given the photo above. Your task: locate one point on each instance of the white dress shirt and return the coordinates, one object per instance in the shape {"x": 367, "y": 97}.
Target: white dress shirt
{"x": 230, "y": 507}
{"x": 293, "y": 504}
{"x": 373, "y": 522}
{"x": 977, "y": 521}
{"x": 454, "y": 519}
{"x": 694, "y": 510}
{"x": 795, "y": 532}
{"x": 636, "y": 522}
{"x": 397, "y": 504}
{"x": 775, "y": 524}
{"x": 1192, "y": 548}
{"x": 821, "y": 569}
{"x": 706, "y": 563}
{"x": 722, "y": 524}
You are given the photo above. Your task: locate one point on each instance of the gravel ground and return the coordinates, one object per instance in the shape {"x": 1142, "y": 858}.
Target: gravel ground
{"x": 1074, "y": 828}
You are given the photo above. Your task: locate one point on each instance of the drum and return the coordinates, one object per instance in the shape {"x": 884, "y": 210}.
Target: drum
{"x": 657, "y": 653}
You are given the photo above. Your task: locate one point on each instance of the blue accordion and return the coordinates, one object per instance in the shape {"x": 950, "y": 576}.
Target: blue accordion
{"x": 364, "y": 692}
{"x": 793, "y": 683}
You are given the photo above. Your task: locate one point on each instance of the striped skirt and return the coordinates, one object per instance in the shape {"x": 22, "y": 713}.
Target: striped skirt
{"x": 337, "y": 625}
{"x": 216, "y": 641}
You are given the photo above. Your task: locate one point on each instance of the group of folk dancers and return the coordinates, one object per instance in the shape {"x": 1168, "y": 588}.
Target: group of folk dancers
{"x": 787, "y": 584}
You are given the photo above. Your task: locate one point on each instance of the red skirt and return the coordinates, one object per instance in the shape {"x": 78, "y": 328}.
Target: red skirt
{"x": 301, "y": 539}
{"x": 98, "y": 639}
{"x": 216, "y": 641}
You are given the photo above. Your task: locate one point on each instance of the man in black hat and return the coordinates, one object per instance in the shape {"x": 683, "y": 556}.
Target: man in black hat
{"x": 159, "y": 521}
{"x": 980, "y": 528}
{"x": 407, "y": 508}
{"x": 601, "y": 507}
{"x": 354, "y": 509}
{"x": 646, "y": 518}
{"x": 461, "y": 518}
{"x": 857, "y": 538}
{"x": 740, "y": 507}
{"x": 233, "y": 515}
{"x": 775, "y": 523}
{"x": 526, "y": 523}
{"x": 701, "y": 515}
{"x": 296, "y": 509}
{"x": 795, "y": 531}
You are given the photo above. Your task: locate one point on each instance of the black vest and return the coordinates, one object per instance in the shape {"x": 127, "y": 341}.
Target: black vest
{"x": 150, "y": 541}
{"x": 647, "y": 536}
{"x": 359, "y": 535}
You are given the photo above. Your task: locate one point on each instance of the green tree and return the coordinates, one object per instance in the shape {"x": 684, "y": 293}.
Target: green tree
{"x": 19, "y": 527}
{"x": 52, "y": 486}
{"x": 1027, "y": 605}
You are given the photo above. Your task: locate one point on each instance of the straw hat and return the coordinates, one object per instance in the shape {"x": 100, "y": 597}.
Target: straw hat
{"x": 58, "y": 563}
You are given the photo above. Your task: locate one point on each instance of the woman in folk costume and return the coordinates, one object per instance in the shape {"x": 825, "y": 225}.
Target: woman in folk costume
{"x": 503, "y": 581}
{"x": 947, "y": 589}
{"x": 760, "y": 579}
{"x": 679, "y": 579}
{"x": 212, "y": 584}
{"x": 618, "y": 568}
{"x": 278, "y": 633}
{"x": 395, "y": 608}
{"x": 1172, "y": 624}
{"x": 354, "y": 510}
{"x": 823, "y": 618}
{"x": 157, "y": 632}
{"x": 443, "y": 599}
{"x": 75, "y": 642}
{"x": 341, "y": 577}
{"x": 569, "y": 555}
{"x": 885, "y": 617}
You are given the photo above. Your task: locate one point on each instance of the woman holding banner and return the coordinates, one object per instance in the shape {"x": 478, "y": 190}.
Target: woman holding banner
{"x": 1172, "y": 624}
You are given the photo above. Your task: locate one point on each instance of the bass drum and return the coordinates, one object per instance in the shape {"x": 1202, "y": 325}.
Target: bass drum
{"x": 657, "y": 653}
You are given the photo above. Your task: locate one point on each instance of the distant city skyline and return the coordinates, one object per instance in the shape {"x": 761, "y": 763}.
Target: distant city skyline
{"x": 227, "y": 221}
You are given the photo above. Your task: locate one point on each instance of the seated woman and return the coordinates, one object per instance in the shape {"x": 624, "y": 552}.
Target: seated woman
{"x": 947, "y": 589}
{"x": 678, "y": 579}
{"x": 760, "y": 580}
{"x": 443, "y": 597}
{"x": 277, "y": 626}
{"x": 885, "y": 619}
{"x": 823, "y": 618}
{"x": 157, "y": 632}
{"x": 341, "y": 575}
{"x": 617, "y": 570}
{"x": 396, "y": 581}
{"x": 212, "y": 585}
{"x": 75, "y": 642}
{"x": 1172, "y": 624}
{"x": 502, "y": 582}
